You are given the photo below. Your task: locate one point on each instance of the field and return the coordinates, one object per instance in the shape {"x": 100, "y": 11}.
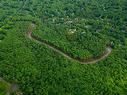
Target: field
{"x": 63, "y": 47}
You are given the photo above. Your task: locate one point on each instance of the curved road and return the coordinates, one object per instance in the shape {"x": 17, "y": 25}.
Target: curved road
{"x": 91, "y": 60}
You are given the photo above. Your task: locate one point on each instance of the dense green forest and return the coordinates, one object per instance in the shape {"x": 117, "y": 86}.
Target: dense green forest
{"x": 82, "y": 28}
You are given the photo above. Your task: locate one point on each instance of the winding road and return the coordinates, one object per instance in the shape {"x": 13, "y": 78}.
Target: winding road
{"x": 91, "y": 60}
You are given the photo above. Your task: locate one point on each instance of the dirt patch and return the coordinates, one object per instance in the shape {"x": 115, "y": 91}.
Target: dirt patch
{"x": 9, "y": 88}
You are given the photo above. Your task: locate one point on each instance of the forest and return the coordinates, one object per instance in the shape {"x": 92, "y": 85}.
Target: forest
{"x": 46, "y": 59}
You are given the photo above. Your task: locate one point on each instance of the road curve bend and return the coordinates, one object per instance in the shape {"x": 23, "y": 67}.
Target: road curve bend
{"x": 91, "y": 60}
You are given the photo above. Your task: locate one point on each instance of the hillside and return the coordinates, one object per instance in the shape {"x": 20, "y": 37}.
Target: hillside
{"x": 63, "y": 47}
